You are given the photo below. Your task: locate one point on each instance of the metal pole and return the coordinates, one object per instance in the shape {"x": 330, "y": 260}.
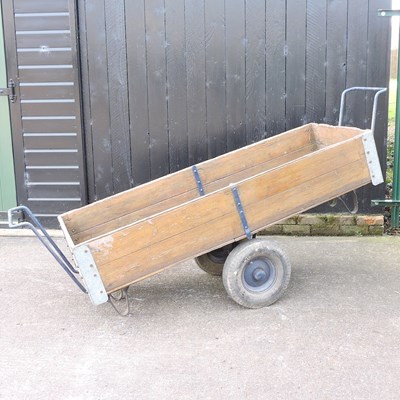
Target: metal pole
{"x": 394, "y": 203}
{"x": 396, "y": 157}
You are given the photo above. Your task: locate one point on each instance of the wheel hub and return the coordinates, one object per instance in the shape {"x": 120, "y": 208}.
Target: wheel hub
{"x": 258, "y": 275}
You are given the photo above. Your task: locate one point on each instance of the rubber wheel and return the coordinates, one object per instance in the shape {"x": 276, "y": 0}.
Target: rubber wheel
{"x": 256, "y": 273}
{"x": 213, "y": 262}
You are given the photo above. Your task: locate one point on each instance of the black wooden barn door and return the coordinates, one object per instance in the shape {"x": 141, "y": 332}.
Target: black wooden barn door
{"x": 41, "y": 52}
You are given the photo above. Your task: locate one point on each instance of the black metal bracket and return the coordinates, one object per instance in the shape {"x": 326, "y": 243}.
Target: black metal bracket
{"x": 118, "y": 296}
{"x": 9, "y": 91}
{"x": 241, "y": 212}
{"x": 198, "y": 180}
{"x": 388, "y": 13}
{"x": 37, "y": 228}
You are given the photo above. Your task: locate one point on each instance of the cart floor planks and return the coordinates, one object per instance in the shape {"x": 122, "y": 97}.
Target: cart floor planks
{"x": 142, "y": 231}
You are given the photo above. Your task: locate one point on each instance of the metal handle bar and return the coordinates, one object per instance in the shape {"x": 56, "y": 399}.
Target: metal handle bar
{"x": 46, "y": 240}
{"x": 378, "y": 90}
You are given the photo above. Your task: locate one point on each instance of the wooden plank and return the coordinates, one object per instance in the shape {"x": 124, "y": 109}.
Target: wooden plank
{"x": 99, "y": 98}
{"x": 152, "y": 209}
{"x": 335, "y": 58}
{"x": 56, "y": 74}
{"x": 255, "y": 70}
{"x": 29, "y": 6}
{"x": 156, "y": 84}
{"x": 327, "y": 135}
{"x": 151, "y": 260}
{"x": 215, "y": 76}
{"x": 55, "y": 206}
{"x": 50, "y": 141}
{"x": 52, "y": 21}
{"x": 191, "y": 215}
{"x": 295, "y": 63}
{"x": 261, "y": 197}
{"x": 134, "y": 203}
{"x": 50, "y": 175}
{"x": 51, "y": 92}
{"x": 53, "y": 190}
{"x": 48, "y": 57}
{"x": 85, "y": 101}
{"x": 34, "y": 158}
{"x": 33, "y": 40}
{"x": 137, "y": 84}
{"x": 316, "y": 59}
{"x": 47, "y": 125}
{"x": 48, "y": 108}
{"x": 176, "y": 84}
{"x": 118, "y": 94}
{"x": 275, "y": 66}
{"x": 378, "y": 56}
{"x": 235, "y": 48}
{"x": 196, "y": 81}
{"x": 356, "y": 62}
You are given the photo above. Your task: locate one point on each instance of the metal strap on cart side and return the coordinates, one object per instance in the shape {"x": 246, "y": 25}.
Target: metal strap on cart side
{"x": 241, "y": 212}
{"x": 198, "y": 181}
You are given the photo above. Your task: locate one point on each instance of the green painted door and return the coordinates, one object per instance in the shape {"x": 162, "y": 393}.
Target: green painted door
{"x": 7, "y": 176}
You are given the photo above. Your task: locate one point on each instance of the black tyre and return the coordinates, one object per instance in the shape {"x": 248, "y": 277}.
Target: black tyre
{"x": 213, "y": 262}
{"x": 256, "y": 273}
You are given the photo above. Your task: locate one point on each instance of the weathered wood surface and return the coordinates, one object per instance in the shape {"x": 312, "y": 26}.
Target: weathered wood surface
{"x": 172, "y": 190}
{"x": 320, "y": 169}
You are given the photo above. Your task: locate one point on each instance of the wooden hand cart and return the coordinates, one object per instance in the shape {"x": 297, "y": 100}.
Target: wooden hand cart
{"x": 211, "y": 212}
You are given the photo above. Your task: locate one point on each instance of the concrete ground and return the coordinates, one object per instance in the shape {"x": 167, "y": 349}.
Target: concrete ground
{"x": 334, "y": 335}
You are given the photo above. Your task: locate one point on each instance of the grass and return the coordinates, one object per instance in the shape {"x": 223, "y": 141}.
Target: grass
{"x": 391, "y": 127}
{"x": 390, "y": 153}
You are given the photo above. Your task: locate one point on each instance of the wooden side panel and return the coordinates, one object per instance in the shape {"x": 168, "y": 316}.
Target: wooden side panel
{"x": 198, "y": 226}
{"x": 327, "y": 135}
{"x": 119, "y": 210}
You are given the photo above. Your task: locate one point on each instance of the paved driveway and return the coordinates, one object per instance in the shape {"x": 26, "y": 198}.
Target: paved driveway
{"x": 335, "y": 334}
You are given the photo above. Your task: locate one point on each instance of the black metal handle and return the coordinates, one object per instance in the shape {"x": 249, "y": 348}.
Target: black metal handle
{"x": 36, "y": 227}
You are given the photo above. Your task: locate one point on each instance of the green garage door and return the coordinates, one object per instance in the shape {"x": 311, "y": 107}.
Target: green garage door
{"x": 7, "y": 179}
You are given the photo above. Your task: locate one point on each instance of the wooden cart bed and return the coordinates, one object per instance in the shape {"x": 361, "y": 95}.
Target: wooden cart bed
{"x": 140, "y": 232}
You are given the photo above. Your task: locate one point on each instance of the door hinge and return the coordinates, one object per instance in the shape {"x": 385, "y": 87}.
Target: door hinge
{"x": 9, "y": 91}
